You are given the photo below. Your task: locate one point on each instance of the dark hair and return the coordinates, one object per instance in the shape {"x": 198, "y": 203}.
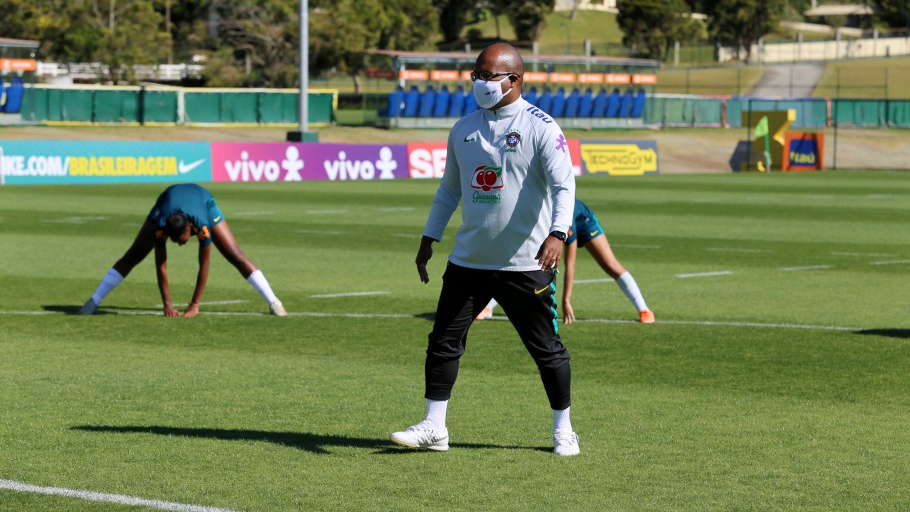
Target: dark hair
{"x": 176, "y": 225}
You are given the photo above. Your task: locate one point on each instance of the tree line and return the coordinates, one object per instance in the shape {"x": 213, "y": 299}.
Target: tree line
{"x": 254, "y": 42}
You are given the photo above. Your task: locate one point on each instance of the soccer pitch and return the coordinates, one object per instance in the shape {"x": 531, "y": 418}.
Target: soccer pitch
{"x": 775, "y": 378}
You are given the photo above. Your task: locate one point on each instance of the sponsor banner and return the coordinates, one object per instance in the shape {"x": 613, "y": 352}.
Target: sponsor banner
{"x": 618, "y": 78}
{"x": 444, "y": 75}
{"x": 264, "y": 161}
{"x": 387, "y": 74}
{"x": 44, "y": 162}
{"x": 575, "y": 155}
{"x": 562, "y": 78}
{"x": 803, "y": 151}
{"x": 428, "y": 159}
{"x": 18, "y": 64}
{"x": 645, "y": 79}
{"x": 414, "y": 74}
{"x": 619, "y": 158}
{"x": 590, "y": 78}
{"x": 536, "y": 77}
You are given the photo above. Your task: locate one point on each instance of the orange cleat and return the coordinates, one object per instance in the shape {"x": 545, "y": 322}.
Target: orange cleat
{"x": 646, "y": 317}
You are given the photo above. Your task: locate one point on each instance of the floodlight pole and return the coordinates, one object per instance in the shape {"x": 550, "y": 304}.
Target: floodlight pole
{"x": 304, "y": 65}
{"x": 302, "y": 134}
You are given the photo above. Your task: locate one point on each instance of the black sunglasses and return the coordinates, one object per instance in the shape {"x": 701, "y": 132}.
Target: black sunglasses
{"x": 486, "y": 76}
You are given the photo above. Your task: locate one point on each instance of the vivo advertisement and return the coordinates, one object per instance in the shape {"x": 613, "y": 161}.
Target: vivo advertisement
{"x": 43, "y": 162}
{"x": 248, "y": 162}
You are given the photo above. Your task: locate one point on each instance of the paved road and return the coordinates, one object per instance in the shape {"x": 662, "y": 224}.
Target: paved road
{"x": 789, "y": 80}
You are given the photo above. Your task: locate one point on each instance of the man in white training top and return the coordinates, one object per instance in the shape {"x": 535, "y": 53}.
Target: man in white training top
{"x": 508, "y": 163}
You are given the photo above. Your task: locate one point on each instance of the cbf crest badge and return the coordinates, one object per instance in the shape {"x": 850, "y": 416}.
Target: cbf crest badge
{"x": 512, "y": 140}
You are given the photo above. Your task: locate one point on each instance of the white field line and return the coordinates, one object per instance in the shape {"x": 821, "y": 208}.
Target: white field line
{"x": 705, "y": 274}
{"x": 210, "y": 303}
{"x": 406, "y": 235}
{"x": 636, "y": 246}
{"x": 108, "y": 498}
{"x": 810, "y": 267}
{"x": 250, "y": 214}
{"x": 863, "y": 254}
{"x": 398, "y": 209}
{"x": 894, "y": 262}
{"x": 76, "y": 220}
{"x": 584, "y": 281}
{"x": 315, "y": 232}
{"x": 349, "y": 294}
{"x": 403, "y": 316}
{"x": 324, "y": 212}
{"x": 727, "y": 324}
{"x": 734, "y": 249}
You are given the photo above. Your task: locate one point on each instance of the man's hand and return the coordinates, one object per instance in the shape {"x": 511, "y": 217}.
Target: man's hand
{"x": 191, "y": 310}
{"x": 423, "y": 256}
{"x": 170, "y": 310}
{"x": 568, "y": 316}
{"x": 549, "y": 253}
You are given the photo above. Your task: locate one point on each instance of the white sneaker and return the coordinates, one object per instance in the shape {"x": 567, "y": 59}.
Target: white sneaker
{"x": 566, "y": 443}
{"x": 90, "y": 308}
{"x": 422, "y": 435}
{"x": 486, "y": 313}
{"x": 277, "y": 309}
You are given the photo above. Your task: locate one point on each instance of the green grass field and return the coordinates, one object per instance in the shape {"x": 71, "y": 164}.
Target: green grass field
{"x": 775, "y": 378}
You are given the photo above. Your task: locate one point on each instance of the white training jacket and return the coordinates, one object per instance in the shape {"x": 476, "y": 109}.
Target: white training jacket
{"x": 512, "y": 172}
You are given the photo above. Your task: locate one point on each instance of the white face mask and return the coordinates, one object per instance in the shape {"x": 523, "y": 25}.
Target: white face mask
{"x": 489, "y": 94}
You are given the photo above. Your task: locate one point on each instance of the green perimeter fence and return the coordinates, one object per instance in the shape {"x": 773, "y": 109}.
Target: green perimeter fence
{"x": 680, "y": 110}
{"x": 158, "y": 105}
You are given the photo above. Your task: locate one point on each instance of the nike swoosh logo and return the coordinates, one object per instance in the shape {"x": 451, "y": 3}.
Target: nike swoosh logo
{"x": 185, "y": 168}
{"x": 593, "y": 233}
{"x": 217, "y": 218}
{"x": 538, "y": 292}
{"x": 471, "y": 139}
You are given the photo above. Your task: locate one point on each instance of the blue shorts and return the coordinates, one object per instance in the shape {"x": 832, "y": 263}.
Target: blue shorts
{"x": 588, "y": 230}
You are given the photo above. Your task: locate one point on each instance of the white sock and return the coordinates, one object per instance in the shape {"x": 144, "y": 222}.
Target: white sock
{"x": 629, "y": 287}
{"x": 492, "y": 303}
{"x": 561, "y": 420}
{"x": 436, "y": 412}
{"x": 110, "y": 281}
{"x": 259, "y": 282}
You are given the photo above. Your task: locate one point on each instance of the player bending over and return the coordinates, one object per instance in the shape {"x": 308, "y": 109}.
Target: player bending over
{"x": 587, "y": 232}
{"x": 183, "y": 211}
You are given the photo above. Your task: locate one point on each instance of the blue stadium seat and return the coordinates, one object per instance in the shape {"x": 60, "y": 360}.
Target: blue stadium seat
{"x": 585, "y": 103}
{"x": 411, "y": 102}
{"x": 470, "y": 104}
{"x": 545, "y": 101}
{"x": 396, "y": 103}
{"x": 441, "y": 103}
{"x": 13, "y": 102}
{"x": 531, "y": 96}
{"x": 638, "y": 104}
{"x": 625, "y": 108}
{"x": 427, "y": 97}
{"x": 558, "y": 109}
{"x": 599, "y": 108}
{"x": 613, "y": 104}
{"x": 572, "y": 103}
{"x": 456, "y": 102}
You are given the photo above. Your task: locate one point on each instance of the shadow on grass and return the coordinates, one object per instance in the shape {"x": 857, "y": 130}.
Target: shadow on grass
{"x": 890, "y": 333}
{"x": 108, "y": 310}
{"x": 315, "y": 443}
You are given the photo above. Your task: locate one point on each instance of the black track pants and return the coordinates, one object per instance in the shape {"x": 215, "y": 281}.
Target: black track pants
{"x": 528, "y": 299}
